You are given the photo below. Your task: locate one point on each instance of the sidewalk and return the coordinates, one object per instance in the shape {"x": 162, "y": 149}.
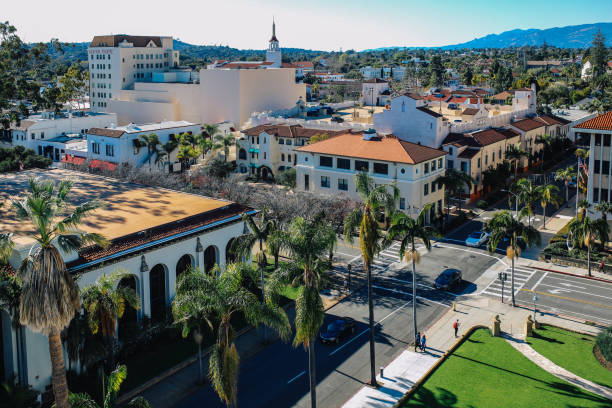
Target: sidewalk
{"x": 401, "y": 374}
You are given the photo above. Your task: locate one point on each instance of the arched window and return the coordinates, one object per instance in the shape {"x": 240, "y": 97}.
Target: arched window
{"x": 210, "y": 258}
{"x": 230, "y": 256}
{"x": 242, "y": 154}
{"x": 183, "y": 264}
{"x": 157, "y": 283}
{"x": 282, "y": 156}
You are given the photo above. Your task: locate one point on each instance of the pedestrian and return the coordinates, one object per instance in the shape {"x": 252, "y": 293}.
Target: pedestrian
{"x": 602, "y": 265}
{"x": 456, "y": 326}
{"x": 423, "y": 343}
{"x": 417, "y": 341}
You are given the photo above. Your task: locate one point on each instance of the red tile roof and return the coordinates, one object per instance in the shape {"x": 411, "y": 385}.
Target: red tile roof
{"x": 552, "y": 120}
{"x": 508, "y": 133}
{"x": 476, "y": 139}
{"x": 528, "y": 124}
{"x": 292, "y": 131}
{"x": 600, "y": 122}
{"x": 468, "y": 153}
{"x": 470, "y": 111}
{"x": 382, "y": 148}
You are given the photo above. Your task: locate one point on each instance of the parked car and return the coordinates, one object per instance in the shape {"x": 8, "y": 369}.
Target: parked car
{"x": 449, "y": 278}
{"x": 337, "y": 118}
{"x": 337, "y": 330}
{"x": 476, "y": 238}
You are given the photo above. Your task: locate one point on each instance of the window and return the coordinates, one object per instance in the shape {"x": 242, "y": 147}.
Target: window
{"x": 440, "y": 163}
{"x": 486, "y": 159}
{"x": 595, "y": 195}
{"x": 343, "y": 164}
{"x": 95, "y": 147}
{"x": 265, "y": 156}
{"x": 281, "y": 141}
{"x": 433, "y": 165}
{"x": 288, "y": 157}
{"x": 42, "y": 135}
{"x": 597, "y": 140}
{"x": 449, "y": 164}
{"x": 426, "y": 168}
{"x": 381, "y": 168}
{"x": 606, "y": 140}
{"x": 479, "y": 162}
{"x": 596, "y": 170}
{"x": 493, "y": 157}
{"x": 289, "y": 143}
{"x": 325, "y": 181}
{"x": 326, "y": 161}
{"x": 343, "y": 184}
{"x": 464, "y": 167}
{"x": 605, "y": 167}
{"x": 402, "y": 203}
{"x": 426, "y": 189}
{"x": 361, "y": 165}
{"x": 33, "y": 136}
{"x": 403, "y": 170}
{"x": 603, "y": 194}
{"x": 110, "y": 150}
{"x": 433, "y": 187}
{"x": 450, "y": 150}
{"x": 282, "y": 156}
{"x": 306, "y": 182}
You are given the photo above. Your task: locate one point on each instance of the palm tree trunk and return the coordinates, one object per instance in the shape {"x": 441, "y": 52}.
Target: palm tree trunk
{"x": 512, "y": 281}
{"x": 414, "y": 314}
{"x": 312, "y": 374}
{"x": 371, "y": 322}
{"x": 263, "y": 300}
{"x": 566, "y": 191}
{"x": 544, "y": 215}
{"x": 589, "y": 258}
{"x": 201, "y": 370}
{"x": 58, "y": 371}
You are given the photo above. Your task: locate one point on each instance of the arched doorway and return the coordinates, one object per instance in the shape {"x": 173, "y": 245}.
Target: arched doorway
{"x": 242, "y": 154}
{"x": 128, "y": 324}
{"x": 210, "y": 258}
{"x": 230, "y": 256}
{"x": 157, "y": 287}
{"x": 183, "y": 264}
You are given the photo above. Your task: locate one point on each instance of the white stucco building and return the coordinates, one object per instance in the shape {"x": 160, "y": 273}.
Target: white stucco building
{"x": 329, "y": 167}
{"x": 116, "y": 62}
{"x": 48, "y": 134}
{"x": 124, "y": 144}
{"x": 375, "y": 92}
{"x": 155, "y": 235}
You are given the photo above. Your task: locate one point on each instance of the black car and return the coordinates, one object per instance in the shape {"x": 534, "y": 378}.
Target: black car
{"x": 447, "y": 279}
{"x": 337, "y": 330}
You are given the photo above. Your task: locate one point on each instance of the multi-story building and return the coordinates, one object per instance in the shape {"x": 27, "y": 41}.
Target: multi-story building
{"x": 395, "y": 73}
{"x": 375, "y": 92}
{"x": 155, "y": 235}
{"x": 124, "y": 145}
{"x": 597, "y": 134}
{"x": 48, "y": 133}
{"x": 268, "y": 149}
{"x": 475, "y": 152}
{"x": 329, "y": 167}
{"x": 116, "y": 62}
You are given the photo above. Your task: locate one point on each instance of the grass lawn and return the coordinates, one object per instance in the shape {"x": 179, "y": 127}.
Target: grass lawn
{"x": 290, "y": 292}
{"x": 486, "y": 371}
{"x": 572, "y": 351}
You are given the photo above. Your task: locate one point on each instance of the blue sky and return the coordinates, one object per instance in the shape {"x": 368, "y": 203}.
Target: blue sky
{"x": 314, "y": 24}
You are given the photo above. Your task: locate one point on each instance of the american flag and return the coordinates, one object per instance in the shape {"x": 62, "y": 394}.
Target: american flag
{"x": 582, "y": 166}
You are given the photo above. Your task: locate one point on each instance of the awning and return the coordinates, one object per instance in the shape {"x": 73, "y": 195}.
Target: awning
{"x": 251, "y": 150}
{"x": 252, "y": 165}
{"x": 70, "y": 159}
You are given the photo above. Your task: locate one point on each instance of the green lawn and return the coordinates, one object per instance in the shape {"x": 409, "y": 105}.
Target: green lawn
{"x": 486, "y": 371}
{"x": 572, "y": 351}
{"x": 290, "y": 292}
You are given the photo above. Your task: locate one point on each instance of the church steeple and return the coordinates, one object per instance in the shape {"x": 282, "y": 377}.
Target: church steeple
{"x": 273, "y": 39}
{"x": 273, "y": 54}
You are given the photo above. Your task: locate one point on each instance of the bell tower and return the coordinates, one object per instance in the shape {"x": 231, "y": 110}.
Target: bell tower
{"x": 274, "y": 54}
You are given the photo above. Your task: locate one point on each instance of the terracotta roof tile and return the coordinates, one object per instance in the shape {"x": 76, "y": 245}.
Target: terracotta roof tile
{"x": 508, "y": 133}
{"x": 487, "y": 137}
{"x": 382, "y": 148}
{"x": 528, "y": 124}
{"x": 106, "y": 132}
{"x": 292, "y": 131}
{"x": 601, "y": 122}
{"x": 468, "y": 154}
{"x": 470, "y": 111}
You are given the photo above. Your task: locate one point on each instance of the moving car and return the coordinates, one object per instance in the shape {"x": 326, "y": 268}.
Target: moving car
{"x": 447, "y": 279}
{"x": 476, "y": 238}
{"x": 337, "y": 330}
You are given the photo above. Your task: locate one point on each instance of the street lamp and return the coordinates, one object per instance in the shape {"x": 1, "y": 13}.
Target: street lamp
{"x": 515, "y": 200}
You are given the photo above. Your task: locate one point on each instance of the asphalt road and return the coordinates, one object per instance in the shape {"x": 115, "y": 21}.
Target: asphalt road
{"x": 278, "y": 375}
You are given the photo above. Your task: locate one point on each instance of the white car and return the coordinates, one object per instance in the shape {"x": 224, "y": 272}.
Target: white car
{"x": 476, "y": 239}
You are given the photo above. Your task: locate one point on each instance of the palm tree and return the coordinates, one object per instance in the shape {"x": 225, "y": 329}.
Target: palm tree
{"x": 546, "y": 141}
{"x": 273, "y": 245}
{"x": 186, "y": 152}
{"x": 583, "y": 206}
{"x": 515, "y": 154}
{"x": 307, "y": 243}
{"x": 581, "y": 154}
{"x": 527, "y": 195}
{"x": 585, "y": 231}
{"x": 375, "y": 202}
{"x": 105, "y": 302}
{"x": 204, "y": 143}
{"x": 548, "y": 194}
{"x": 6, "y": 247}
{"x": 224, "y": 142}
{"x": 151, "y": 141}
{"x": 454, "y": 181}
{"x": 166, "y": 151}
{"x": 220, "y": 296}
{"x": 112, "y": 386}
{"x": 503, "y": 226}
{"x": 407, "y": 229}
{"x": 50, "y": 297}
{"x": 211, "y": 130}
{"x": 604, "y": 207}
{"x": 566, "y": 175}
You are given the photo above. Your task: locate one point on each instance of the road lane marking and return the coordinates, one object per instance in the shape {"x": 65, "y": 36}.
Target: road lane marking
{"x": 474, "y": 252}
{"x": 296, "y": 377}
{"x": 409, "y": 294}
{"x": 567, "y": 298}
{"x": 539, "y": 281}
{"x": 582, "y": 283}
{"x": 557, "y": 309}
{"x": 368, "y": 329}
{"x": 572, "y": 290}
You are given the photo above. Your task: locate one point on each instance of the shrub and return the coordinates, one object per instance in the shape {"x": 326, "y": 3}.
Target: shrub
{"x": 287, "y": 177}
{"x": 604, "y": 343}
{"x": 482, "y": 204}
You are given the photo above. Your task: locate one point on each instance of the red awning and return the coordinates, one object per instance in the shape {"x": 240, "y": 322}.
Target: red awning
{"x": 70, "y": 159}
{"x": 103, "y": 165}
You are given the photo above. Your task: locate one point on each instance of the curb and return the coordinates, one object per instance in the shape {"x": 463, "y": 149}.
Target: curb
{"x": 573, "y": 274}
{"x": 417, "y": 385}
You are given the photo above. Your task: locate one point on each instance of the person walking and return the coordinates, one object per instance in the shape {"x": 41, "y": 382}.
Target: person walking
{"x": 423, "y": 343}
{"x": 602, "y": 266}
{"x": 417, "y": 341}
{"x": 456, "y": 326}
